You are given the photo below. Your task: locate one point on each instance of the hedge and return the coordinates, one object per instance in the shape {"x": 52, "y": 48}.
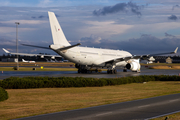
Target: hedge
{"x": 3, "y": 94}
{"x": 57, "y": 82}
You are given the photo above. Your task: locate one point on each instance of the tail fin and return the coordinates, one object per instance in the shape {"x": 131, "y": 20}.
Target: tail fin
{"x": 57, "y": 33}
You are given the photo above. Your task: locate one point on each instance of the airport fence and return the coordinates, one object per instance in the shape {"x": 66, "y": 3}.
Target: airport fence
{"x": 61, "y": 82}
{"x": 3, "y": 94}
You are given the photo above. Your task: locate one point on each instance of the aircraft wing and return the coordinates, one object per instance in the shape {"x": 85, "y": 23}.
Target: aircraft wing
{"x": 138, "y": 57}
{"x": 26, "y": 54}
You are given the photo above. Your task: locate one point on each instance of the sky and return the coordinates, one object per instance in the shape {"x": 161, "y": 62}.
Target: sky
{"x": 137, "y": 26}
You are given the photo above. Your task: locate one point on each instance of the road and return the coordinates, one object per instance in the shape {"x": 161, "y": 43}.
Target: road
{"x": 143, "y": 109}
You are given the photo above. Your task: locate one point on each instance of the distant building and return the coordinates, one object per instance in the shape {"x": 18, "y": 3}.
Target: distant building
{"x": 176, "y": 59}
{"x": 168, "y": 60}
{"x": 9, "y": 59}
{"x": 160, "y": 59}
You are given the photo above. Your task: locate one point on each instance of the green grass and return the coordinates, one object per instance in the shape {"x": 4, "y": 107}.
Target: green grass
{"x": 29, "y": 102}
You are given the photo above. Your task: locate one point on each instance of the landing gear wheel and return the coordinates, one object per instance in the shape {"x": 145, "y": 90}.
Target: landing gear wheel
{"x": 115, "y": 71}
{"x": 79, "y": 71}
{"x": 124, "y": 70}
{"x": 85, "y": 70}
{"x": 112, "y": 71}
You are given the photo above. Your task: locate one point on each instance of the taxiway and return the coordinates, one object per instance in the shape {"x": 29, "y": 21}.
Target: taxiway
{"x": 103, "y": 74}
{"x": 143, "y": 109}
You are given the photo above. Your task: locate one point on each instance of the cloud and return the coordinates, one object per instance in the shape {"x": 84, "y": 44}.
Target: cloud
{"x": 7, "y": 30}
{"x": 42, "y": 17}
{"x": 146, "y": 44}
{"x": 120, "y": 7}
{"x": 92, "y": 39}
{"x": 7, "y": 41}
{"x": 169, "y": 35}
{"x": 150, "y": 44}
{"x": 175, "y": 6}
{"x": 44, "y": 3}
{"x": 25, "y": 21}
{"x": 39, "y": 17}
{"x": 105, "y": 29}
{"x": 173, "y": 17}
{"x": 145, "y": 35}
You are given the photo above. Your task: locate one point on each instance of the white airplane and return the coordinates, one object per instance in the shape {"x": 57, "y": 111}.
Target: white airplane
{"x": 26, "y": 54}
{"x": 86, "y": 58}
{"x": 148, "y": 61}
{"x": 28, "y": 61}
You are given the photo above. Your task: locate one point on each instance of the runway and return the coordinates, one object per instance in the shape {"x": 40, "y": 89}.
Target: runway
{"x": 144, "y": 71}
{"x": 143, "y": 109}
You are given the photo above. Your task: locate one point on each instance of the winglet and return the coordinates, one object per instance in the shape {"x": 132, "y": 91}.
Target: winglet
{"x": 5, "y": 50}
{"x": 175, "y": 51}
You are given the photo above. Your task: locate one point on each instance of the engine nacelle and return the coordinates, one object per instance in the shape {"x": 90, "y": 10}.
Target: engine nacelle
{"x": 134, "y": 66}
{"x": 52, "y": 57}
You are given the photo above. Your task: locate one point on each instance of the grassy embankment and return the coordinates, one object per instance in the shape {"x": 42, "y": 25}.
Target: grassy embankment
{"x": 29, "y": 102}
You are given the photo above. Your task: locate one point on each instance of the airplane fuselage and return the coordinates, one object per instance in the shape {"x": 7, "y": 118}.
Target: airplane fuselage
{"x": 93, "y": 56}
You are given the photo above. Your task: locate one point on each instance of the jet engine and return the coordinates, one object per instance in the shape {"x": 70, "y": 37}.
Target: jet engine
{"x": 52, "y": 57}
{"x": 134, "y": 66}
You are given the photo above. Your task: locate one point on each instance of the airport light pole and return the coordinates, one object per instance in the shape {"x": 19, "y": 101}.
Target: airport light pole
{"x": 17, "y": 23}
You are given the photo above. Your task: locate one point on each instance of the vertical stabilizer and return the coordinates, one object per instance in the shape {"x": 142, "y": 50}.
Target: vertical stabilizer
{"x": 57, "y": 33}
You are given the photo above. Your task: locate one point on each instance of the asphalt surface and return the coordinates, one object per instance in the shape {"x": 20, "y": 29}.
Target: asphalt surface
{"x": 144, "y": 71}
{"x": 143, "y": 109}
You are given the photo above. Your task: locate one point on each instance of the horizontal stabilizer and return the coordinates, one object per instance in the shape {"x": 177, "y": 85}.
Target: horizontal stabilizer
{"x": 68, "y": 47}
{"x": 35, "y": 46}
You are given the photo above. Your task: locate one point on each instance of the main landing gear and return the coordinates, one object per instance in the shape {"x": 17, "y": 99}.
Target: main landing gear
{"x": 114, "y": 71}
{"x": 86, "y": 69}
{"x": 81, "y": 69}
{"x": 125, "y": 69}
